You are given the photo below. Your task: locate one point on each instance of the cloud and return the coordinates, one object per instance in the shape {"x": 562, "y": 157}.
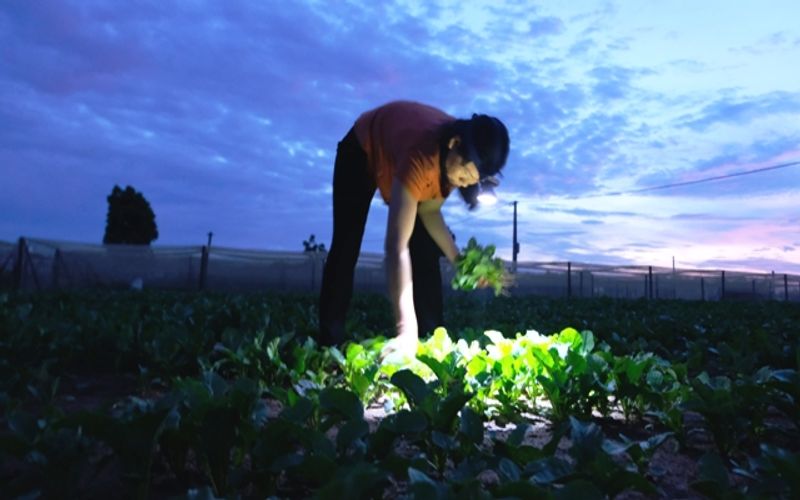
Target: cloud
{"x": 689, "y": 65}
{"x": 776, "y": 41}
{"x": 753, "y": 265}
{"x": 613, "y": 82}
{"x": 582, "y": 48}
{"x": 742, "y": 111}
{"x": 546, "y": 26}
{"x": 575, "y": 153}
{"x": 226, "y": 116}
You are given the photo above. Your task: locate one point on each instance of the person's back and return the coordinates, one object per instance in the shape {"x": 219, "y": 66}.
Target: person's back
{"x": 402, "y": 136}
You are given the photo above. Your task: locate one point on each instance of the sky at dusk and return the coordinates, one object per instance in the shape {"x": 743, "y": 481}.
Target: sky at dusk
{"x": 226, "y": 114}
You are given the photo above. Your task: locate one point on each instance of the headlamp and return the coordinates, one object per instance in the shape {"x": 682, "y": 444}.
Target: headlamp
{"x": 486, "y": 194}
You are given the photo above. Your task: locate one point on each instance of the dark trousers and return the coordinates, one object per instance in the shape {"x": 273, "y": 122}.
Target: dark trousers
{"x": 353, "y": 189}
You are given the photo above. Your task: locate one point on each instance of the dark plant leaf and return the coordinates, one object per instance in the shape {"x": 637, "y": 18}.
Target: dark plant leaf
{"x": 521, "y": 489}
{"x": 517, "y": 436}
{"x": 447, "y": 410}
{"x": 471, "y": 426}
{"x": 349, "y": 432}
{"x": 549, "y": 470}
{"x": 342, "y": 402}
{"x": 579, "y": 489}
{"x": 444, "y": 441}
{"x": 412, "y": 386}
{"x": 587, "y": 440}
{"x": 508, "y": 470}
{"x": 362, "y": 480}
{"x": 410, "y": 422}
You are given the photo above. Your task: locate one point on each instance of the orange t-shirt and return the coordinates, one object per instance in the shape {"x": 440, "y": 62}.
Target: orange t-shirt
{"x": 401, "y": 139}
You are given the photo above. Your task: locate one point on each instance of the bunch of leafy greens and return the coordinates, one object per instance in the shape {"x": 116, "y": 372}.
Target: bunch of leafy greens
{"x": 476, "y": 266}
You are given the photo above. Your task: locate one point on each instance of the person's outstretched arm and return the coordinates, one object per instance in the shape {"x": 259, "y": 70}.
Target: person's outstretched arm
{"x": 402, "y": 213}
{"x": 430, "y": 212}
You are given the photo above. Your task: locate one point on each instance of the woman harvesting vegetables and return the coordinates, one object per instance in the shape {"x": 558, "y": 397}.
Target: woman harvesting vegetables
{"x": 415, "y": 155}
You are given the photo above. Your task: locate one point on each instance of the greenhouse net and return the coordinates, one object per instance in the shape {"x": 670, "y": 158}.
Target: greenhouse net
{"x": 37, "y": 264}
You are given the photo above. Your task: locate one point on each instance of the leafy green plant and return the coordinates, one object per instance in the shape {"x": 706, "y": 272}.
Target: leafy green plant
{"x": 432, "y": 419}
{"x": 505, "y": 374}
{"x": 133, "y": 434}
{"x": 592, "y": 472}
{"x": 776, "y": 472}
{"x": 713, "y": 479}
{"x": 646, "y": 383}
{"x": 361, "y": 368}
{"x": 575, "y": 378}
{"x": 445, "y": 359}
{"x": 476, "y": 266}
{"x": 786, "y": 384}
{"x": 51, "y": 458}
{"x": 733, "y": 410}
{"x": 216, "y": 419}
{"x": 639, "y": 451}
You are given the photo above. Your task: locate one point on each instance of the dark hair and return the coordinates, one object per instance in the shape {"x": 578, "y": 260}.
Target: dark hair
{"x": 484, "y": 140}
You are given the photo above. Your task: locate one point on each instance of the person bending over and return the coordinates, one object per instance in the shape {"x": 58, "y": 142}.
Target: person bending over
{"x": 415, "y": 155}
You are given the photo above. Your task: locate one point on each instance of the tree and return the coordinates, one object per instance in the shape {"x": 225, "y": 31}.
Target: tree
{"x": 130, "y": 219}
{"x": 311, "y": 245}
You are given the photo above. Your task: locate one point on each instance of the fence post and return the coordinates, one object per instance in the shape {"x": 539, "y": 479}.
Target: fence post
{"x": 569, "y": 279}
{"x": 591, "y": 284}
{"x": 650, "y": 281}
{"x": 19, "y": 264}
{"x": 785, "y": 288}
{"x": 56, "y": 259}
{"x": 313, "y": 269}
{"x": 203, "y": 267}
{"x": 702, "y": 288}
{"x": 772, "y": 287}
{"x": 722, "y": 292}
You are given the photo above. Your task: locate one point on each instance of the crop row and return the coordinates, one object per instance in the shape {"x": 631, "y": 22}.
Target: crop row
{"x": 220, "y": 361}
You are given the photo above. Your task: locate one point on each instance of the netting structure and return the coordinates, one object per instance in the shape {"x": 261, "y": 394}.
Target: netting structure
{"x": 38, "y": 265}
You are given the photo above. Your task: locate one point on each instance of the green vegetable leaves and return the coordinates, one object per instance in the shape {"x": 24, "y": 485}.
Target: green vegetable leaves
{"x": 477, "y": 267}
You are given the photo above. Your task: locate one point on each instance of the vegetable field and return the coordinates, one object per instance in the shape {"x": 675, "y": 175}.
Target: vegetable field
{"x": 180, "y": 395}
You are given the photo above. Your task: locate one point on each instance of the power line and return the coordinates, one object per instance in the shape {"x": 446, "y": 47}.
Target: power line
{"x": 464, "y": 217}
{"x": 697, "y": 181}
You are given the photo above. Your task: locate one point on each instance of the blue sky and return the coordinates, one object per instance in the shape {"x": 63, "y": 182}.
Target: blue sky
{"x": 225, "y": 115}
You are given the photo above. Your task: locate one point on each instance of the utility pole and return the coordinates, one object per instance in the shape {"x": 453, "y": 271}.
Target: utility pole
{"x": 515, "y": 248}
{"x": 674, "y": 289}
{"x": 204, "y": 262}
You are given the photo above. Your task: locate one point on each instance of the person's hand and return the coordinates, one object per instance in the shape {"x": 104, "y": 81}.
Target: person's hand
{"x": 399, "y": 350}
{"x": 403, "y": 347}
